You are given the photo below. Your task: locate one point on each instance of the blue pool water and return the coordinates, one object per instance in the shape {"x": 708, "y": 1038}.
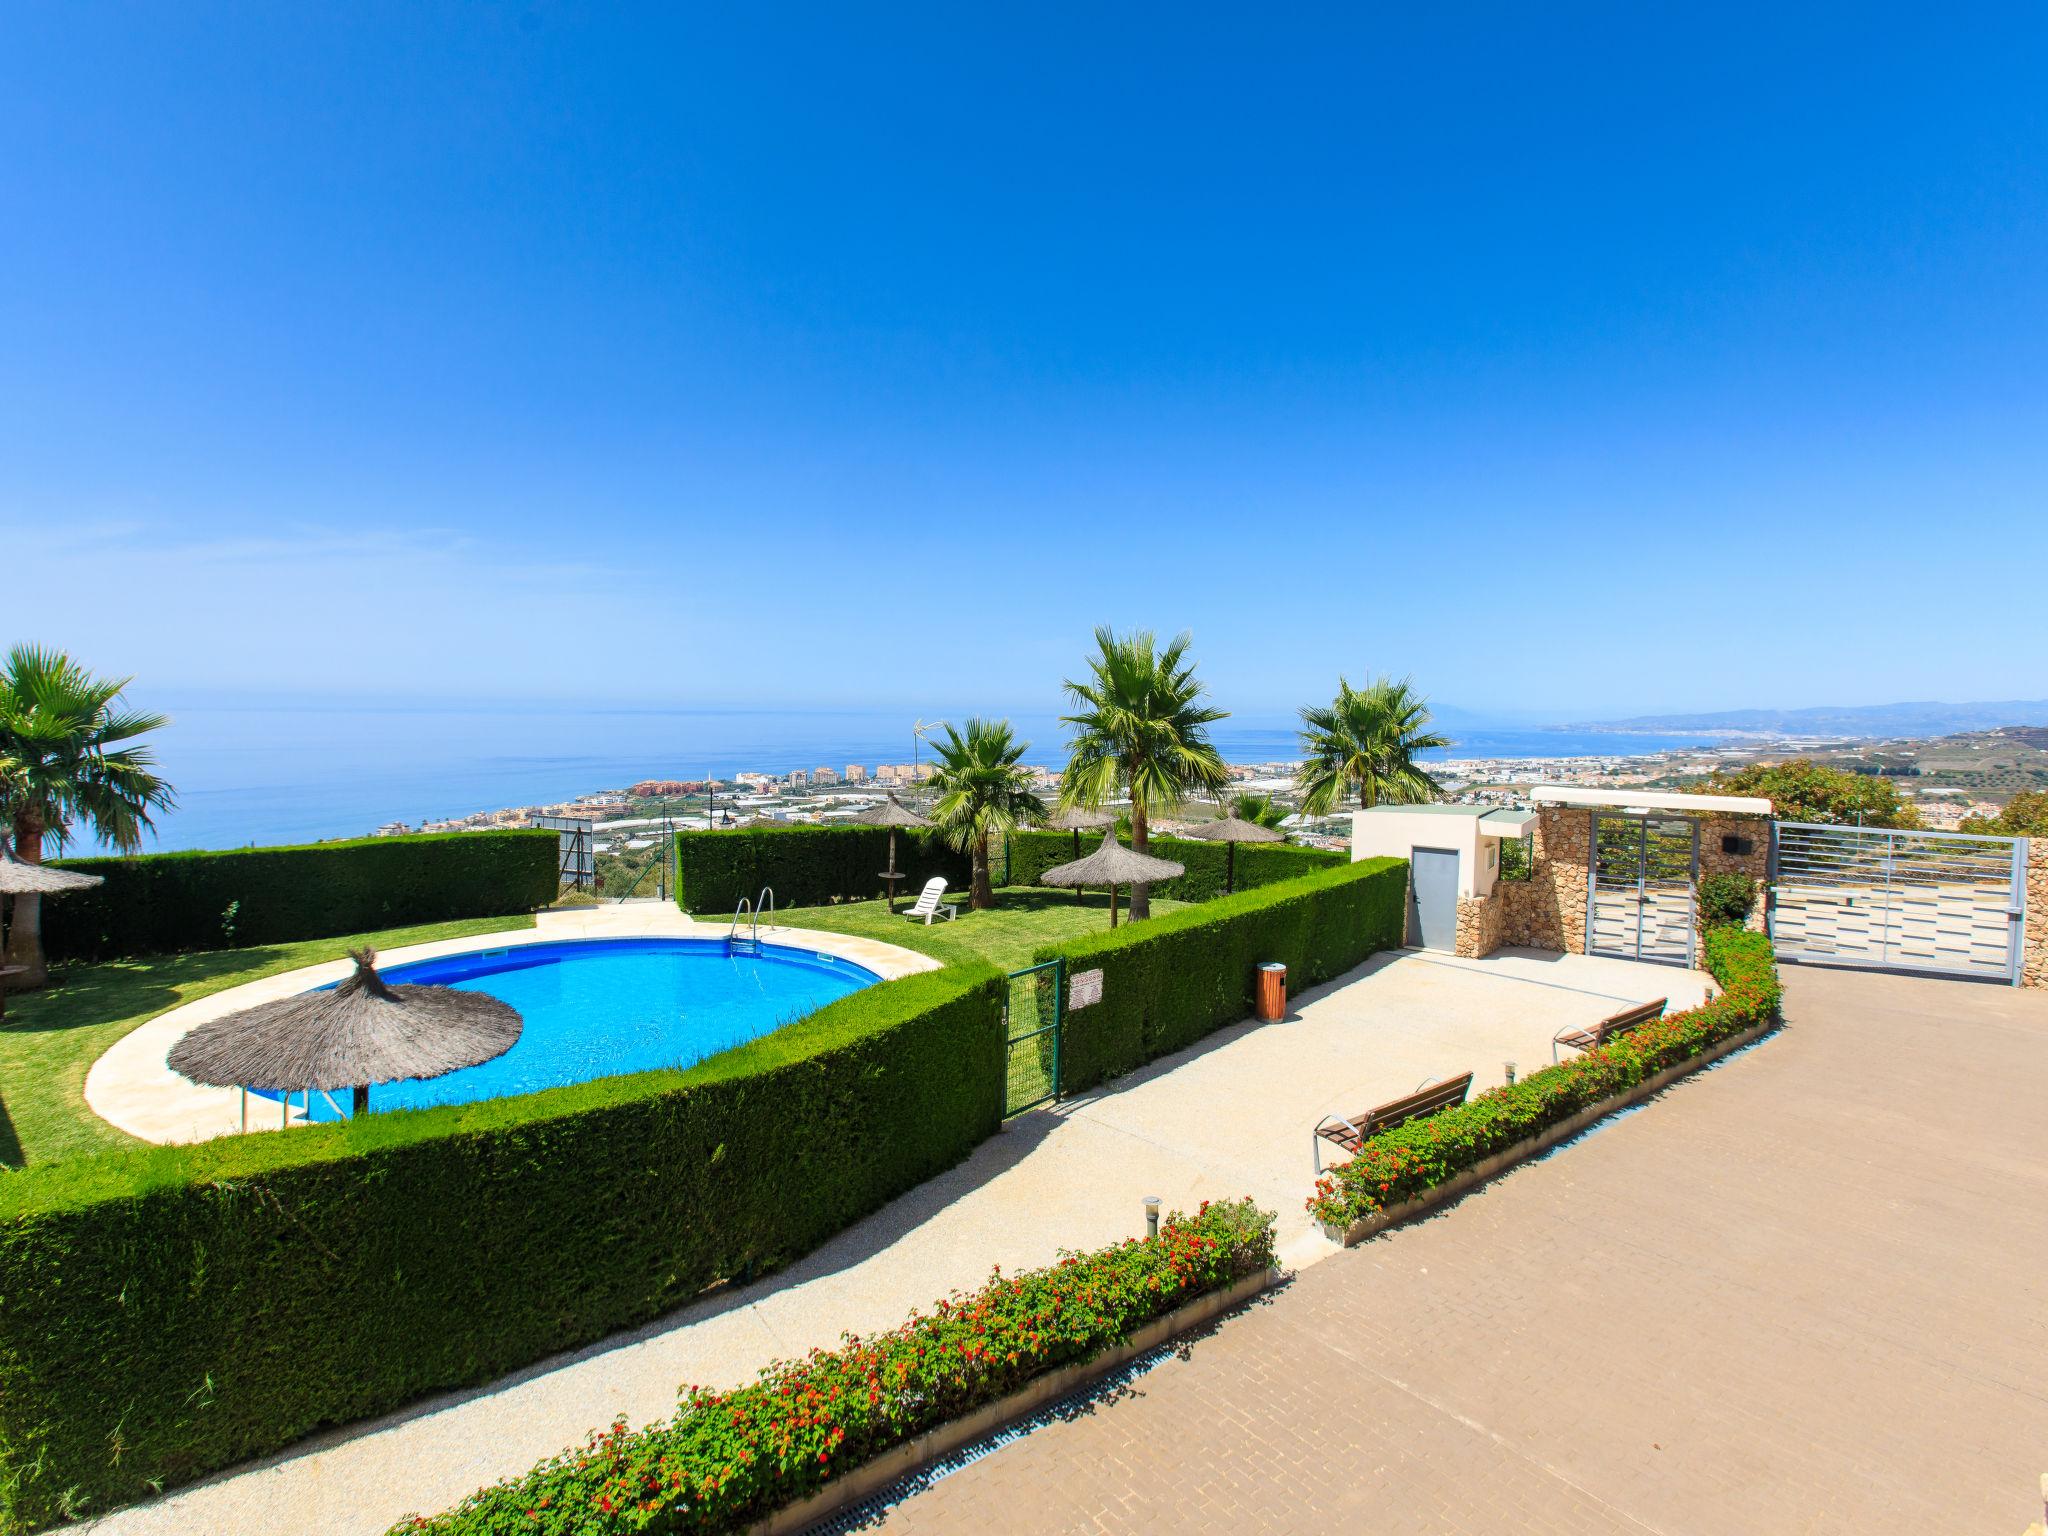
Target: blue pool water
{"x": 596, "y": 1007}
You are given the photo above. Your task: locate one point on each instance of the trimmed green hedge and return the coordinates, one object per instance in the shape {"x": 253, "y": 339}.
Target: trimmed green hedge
{"x": 727, "y": 1459}
{"x": 806, "y": 866}
{"x": 1396, "y": 1166}
{"x": 160, "y": 903}
{"x": 1170, "y": 980}
{"x": 1033, "y": 853}
{"x": 168, "y": 1311}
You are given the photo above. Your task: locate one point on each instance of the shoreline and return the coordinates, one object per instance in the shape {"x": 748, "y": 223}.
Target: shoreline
{"x": 1488, "y": 770}
{"x": 236, "y": 795}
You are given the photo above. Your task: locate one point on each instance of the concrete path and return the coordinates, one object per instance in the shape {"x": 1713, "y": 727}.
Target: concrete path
{"x": 1228, "y": 1118}
{"x": 1802, "y": 1292}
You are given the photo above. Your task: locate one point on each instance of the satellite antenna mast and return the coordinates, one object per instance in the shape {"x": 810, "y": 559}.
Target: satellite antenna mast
{"x": 918, "y": 732}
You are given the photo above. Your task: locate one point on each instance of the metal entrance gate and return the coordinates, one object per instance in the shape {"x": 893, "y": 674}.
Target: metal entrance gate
{"x": 1031, "y": 1019}
{"x": 1950, "y": 903}
{"x": 1639, "y": 893}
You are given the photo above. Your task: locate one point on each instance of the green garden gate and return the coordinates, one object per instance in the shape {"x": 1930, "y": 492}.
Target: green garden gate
{"x": 1031, "y": 1021}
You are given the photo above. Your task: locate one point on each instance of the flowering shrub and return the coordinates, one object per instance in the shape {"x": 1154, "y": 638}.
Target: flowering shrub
{"x": 1398, "y": 1165}
{"x": 728, "y": 1458}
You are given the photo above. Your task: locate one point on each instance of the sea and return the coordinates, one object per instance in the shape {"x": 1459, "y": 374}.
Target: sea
{"x": 266, "y": 773}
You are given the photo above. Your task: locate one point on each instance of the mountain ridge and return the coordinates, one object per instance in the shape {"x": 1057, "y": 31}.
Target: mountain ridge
{"x": 1912, "y": 718}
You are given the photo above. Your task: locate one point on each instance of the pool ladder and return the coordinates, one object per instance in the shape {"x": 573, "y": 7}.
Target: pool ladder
{"x": 749, "y": 943}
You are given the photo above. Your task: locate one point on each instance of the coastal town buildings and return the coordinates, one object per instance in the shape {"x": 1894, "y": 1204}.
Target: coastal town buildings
{"x": 826, "y": 794}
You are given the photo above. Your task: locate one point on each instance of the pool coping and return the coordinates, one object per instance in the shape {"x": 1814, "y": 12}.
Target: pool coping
{"x": 132, "y": 1087}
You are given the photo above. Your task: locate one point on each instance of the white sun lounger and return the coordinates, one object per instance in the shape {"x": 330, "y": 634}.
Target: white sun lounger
{"x": 932, "y": 903}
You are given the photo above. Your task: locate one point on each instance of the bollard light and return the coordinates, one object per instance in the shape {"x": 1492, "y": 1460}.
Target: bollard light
{"x": 1509, "y": 1066}
{"x": 1151, "y": 1217}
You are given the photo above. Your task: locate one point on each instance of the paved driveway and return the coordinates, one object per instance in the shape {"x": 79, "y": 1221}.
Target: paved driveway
{"x": 1802, "y": 1292}
{"x": 1229, "y": 1117}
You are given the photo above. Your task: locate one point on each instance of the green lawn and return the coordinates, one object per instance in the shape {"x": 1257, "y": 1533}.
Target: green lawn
{"x": 1024, "y": 918}
{"x": 50, "y": 1038}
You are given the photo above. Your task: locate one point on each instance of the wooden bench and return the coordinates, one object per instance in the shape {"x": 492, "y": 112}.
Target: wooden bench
{"x": 1614, "y": 1024}
{"x": 1351, "y": 1132}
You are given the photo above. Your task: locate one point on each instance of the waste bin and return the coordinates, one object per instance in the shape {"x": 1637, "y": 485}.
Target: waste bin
{"x": 1272, "y": 991}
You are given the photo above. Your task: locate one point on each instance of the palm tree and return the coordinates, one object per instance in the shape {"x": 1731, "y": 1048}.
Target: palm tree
{"x": 1366, "y": 738}
{"x": 62, "y": 763}
{"x": 1259, "y": 810}
{"x": 981, "y": 791}
{"x": 1139, "y": 726}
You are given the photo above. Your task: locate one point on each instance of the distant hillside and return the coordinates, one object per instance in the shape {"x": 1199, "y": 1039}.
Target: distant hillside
{"x": 1860, "y": 720}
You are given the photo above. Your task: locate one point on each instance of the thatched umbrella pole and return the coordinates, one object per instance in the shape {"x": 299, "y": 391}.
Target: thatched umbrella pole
{"x": 1113, "y": 865}
{"x": 892, "y": 814}
{"x": 1078, "y": 819}
{"x": 1230, "y": 831}
{"x": 361, "y": 1032}
{"x": 19, "y": 878}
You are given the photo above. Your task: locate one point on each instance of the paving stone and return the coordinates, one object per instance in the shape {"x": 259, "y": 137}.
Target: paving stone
{"x": 1800, "y": 1292}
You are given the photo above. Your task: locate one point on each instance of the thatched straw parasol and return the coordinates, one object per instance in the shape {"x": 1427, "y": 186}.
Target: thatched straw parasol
{"x": 1078, "y": 819}
{"x": 1231, "y": 831}
{"x": 361, "y": 1032}
{"x": 19, "y": 878}
{"x": 891, "y": 813}
{"x": 1113, "y": 865}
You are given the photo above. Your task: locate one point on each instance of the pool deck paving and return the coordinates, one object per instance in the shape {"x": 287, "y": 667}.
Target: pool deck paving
{"x": 1227, "y": 1118}
{"x": 132, "y": 1087}
{"x": 1801, "y": 1292}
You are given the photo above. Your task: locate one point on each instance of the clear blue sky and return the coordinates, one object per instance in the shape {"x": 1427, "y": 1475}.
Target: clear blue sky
{"x": 1575, "y": 359}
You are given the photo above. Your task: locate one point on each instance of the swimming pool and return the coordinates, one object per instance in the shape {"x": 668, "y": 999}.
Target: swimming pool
{"x": 596, "y": 1007}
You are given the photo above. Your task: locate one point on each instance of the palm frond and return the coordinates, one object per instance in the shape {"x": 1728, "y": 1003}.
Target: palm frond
{"x": 1367, "y": 740}
{"x": 1138, "y": 724}
{"x": 981, "y": 785}
{"x": 61, "y": 762}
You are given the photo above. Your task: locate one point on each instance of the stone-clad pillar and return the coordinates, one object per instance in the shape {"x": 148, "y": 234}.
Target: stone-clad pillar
{"x": 1756, "y": 863}
{"x": 1565, "y": 841}
{"x": 1482, "y": 922}
{"x": 1548, "y": 910}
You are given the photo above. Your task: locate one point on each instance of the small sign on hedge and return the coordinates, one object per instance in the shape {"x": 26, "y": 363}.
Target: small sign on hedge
{"x": 1085, "y": 990}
